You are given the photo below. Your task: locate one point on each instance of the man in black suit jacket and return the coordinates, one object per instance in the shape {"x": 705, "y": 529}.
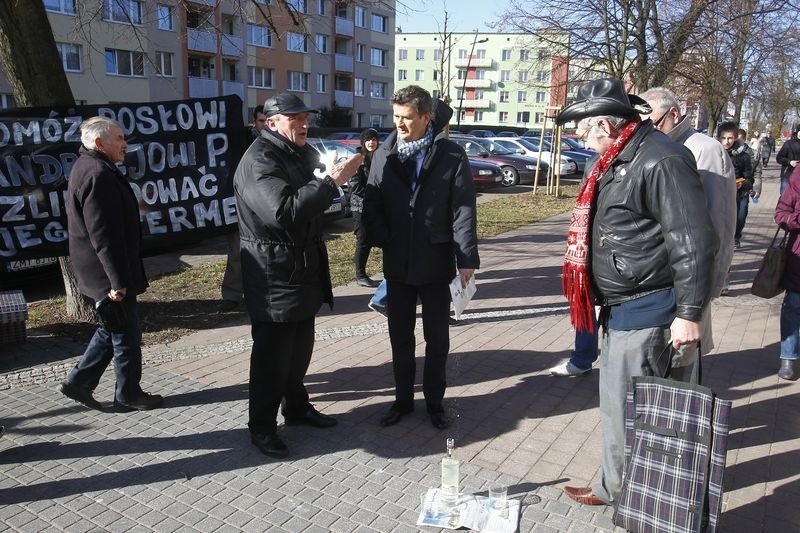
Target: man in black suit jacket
{"x": 420, "y": 208}
{"x": 105, "y": 248}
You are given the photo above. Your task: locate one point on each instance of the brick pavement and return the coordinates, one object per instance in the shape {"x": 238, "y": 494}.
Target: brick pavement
{"x": 190, "y": 466}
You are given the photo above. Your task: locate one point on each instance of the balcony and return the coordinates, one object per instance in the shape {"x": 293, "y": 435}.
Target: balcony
{"x": 233, "y": 87}
{"x": 232, "y": 45}
{"x": 343, "y": 98}
{"x": 202, "y": 41}
{"x": 344, "y": 27}
{"x": 476, "y": 104}
{"x": 478, "y": 84}
{"x": 344, "y": 63}
{"x": 203, "y": 88}
{"x": 485, "y": 62}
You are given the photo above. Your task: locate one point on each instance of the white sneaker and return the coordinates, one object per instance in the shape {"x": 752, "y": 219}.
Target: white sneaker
{"x": 568, "y": 369}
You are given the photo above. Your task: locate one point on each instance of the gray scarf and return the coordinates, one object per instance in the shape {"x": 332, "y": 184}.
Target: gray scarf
{"x": 406, "y": 150}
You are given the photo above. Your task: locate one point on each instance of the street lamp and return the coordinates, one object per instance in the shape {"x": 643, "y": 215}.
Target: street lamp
{"x": 466, "y": 73}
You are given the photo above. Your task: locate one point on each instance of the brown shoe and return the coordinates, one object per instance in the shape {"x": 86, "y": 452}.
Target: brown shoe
{"x": 583, "y": 495}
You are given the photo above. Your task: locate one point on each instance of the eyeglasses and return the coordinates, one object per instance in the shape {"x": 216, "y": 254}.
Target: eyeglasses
{"x": 657, "y": 123}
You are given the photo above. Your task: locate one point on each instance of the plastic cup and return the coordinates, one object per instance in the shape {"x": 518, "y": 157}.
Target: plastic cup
{"x": 497, "y": 498}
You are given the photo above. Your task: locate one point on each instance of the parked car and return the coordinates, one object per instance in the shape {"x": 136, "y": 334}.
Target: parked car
{"x": 507, "y": 134}
{"x": 485, "y": 175}
{"x": 344, "y": 136}
{"x": 527, "y": 146}
{"x": 579, "y": 156}
{"x": 481, "y": 133}
{"x": 516, "y": 168}
{"x": 576, "y": 143}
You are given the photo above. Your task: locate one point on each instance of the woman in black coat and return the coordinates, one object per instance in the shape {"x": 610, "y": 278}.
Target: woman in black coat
{"x": 358, "y": 184}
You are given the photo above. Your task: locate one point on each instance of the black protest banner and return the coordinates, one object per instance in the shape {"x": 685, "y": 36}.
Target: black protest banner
{"x": 180, "y": 163}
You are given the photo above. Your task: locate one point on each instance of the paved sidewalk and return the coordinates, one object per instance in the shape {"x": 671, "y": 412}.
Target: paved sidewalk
{"x": 191, "y": 467}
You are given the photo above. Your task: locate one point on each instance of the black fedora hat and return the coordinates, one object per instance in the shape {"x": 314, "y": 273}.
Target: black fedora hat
{"x": 285, "y": 104}
{"x": 606, "y": 96}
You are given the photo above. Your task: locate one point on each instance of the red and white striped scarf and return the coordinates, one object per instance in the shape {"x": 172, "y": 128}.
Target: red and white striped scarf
{"x": 576, "y": 275}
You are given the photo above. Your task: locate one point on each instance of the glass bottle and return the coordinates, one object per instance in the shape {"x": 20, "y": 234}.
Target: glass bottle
{"x": 449, "y": 476}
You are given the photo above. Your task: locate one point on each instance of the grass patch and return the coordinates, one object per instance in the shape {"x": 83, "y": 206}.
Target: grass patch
{"x": 178, "y": 303}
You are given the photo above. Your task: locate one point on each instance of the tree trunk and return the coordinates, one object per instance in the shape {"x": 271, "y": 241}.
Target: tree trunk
{"x": 35, "y": 72}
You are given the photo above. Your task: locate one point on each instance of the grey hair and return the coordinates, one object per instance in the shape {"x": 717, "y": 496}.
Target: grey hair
{"x": 616, "y": 122}
{"x": 96, "y": 128}
{"x": 661, "y": 98}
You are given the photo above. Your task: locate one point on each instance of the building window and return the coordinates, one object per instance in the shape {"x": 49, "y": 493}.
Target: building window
{"x": 437, "y": 54}
{"x": 541, "y": 54}
{"x": 524, "y": 55}
{"x": 298, "y": 81}
{"x": 378, "y": 57}
{"x": 522, "y": 76}
{"x": 377, "y": 89}
{"x": 542, "y": 75}
{"x": 200, "y": 67}
{"x": 322, "y": 83}
{"x": 402, "y": 75}
{"x": 522, "y": 96}
{"x": 376, "y": 121}
{"x": 127, "y": 11}
{"x": 503, "y": 97}
{"x": 261, "y": 78}
{"x": 165, "y": 19}
{"x": 478, "y": 95}
{"x": 462, "y": 53}
{"x": 379, "y": 23}
{"x": 480, "y": 74}
{"x": 70, "y": 56}
{"x": 322, "y": 44}
{"x": 506, "y": 55}
{"x": 539, "y": 118}
{"x": 480, "y": 53}
{"x": 296, "y": 42}
{"x": 435, "y": 93}
{"x": 523, "y": 117}
{"x": 402, "y": 54}
{"x": 321, "y": 7}
{"x": 228, "y": 25}
{"x": 419, "y": 75}
{"x": 361, "y": 51}
{"x": 478, "y": 116}
{"x": 435, "y": 75}
{"x": 259, "y": 35}
{"x": 505, "y": 75}
{"x": 124, "y": 62}
{"x": 200, "y": 19}
{"x": 541, "y": 96}
{"x": 502, "y": 117}
{"x": 420, "y": 54}
{"x": 7, "y": 101}
{"x": 461, "y": 74}
{"x": 301, "y": 6}
{"x": 361, "y": 17}
{"x": 59, "y": 6}
{"x": 358, "y": 86}
{"x": 164, "y": 64}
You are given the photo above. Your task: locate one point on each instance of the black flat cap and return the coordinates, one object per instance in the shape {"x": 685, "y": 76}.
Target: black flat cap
{"x": 286, "y": 104}
{"x": 607, "y": 97}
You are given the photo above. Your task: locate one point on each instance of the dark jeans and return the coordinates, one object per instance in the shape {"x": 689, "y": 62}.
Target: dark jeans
{"x": 362, "y": 247}
{"x": 402, "y": 314}
{"x": 124, "y": 348}
{"x": 278, "y": 363}
{"x": 741, "y": 214}
{"x": 585, "y": 352}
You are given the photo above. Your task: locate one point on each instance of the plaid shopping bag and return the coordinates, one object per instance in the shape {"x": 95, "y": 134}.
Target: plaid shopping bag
{"x": 676, "y": 437}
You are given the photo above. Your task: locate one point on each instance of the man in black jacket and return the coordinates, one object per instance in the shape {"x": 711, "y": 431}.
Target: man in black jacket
{"x": 641, "y": 241}
{"x": 743, "y": 167}
{"x": 285, "y": 270}
{"x": 789, "y": 156}
{"x": 105, "y": 248}
{"x": 420, "y": 208}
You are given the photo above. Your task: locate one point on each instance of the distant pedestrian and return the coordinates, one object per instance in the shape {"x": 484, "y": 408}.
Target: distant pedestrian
{"x": 743, "y": 167}
{"x": 285, "y": 271}
{"x": 789, "y": 156}
{"x": 105, "y": 244}
{"x": 771, "y": 146}
{"x": 358, "y": 184}
{"x": 754, "y": 151}
{"x": 787, "y": 216}
{"x": 765, "y": 149}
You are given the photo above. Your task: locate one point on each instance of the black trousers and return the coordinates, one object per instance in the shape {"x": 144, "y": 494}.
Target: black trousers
{"x": 362, "y": 247}
{"x": 278, "y": 363}
{"x": 402, "y": 314}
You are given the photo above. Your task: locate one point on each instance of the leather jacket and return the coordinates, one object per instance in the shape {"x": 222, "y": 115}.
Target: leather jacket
{"x": 651, "y": 228}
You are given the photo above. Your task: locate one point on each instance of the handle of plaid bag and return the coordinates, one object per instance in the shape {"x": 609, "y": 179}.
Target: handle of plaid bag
{"x": 697, "y": 368}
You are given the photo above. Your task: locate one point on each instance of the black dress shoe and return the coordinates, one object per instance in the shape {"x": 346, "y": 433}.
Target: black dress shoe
{"x": 393, "y": 416}
{"x": 440, "y": 420}
{"x": 312, "y": 418}
{"x": 80, "y": 395}
{"x": 144, "y": 402}
{"x": 366, "y": 281}
{"x": 270, "y": 444}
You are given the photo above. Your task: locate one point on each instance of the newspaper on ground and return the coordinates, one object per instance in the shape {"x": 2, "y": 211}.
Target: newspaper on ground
{"x": 472, "y": 511}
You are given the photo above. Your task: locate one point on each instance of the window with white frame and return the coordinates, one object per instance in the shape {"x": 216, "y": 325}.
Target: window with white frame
{"x": 376, "y": 121}
{"x": 402, "y": 74}
{"x": 480, "y": 53}
{"x": 480, "y": 74}
{"x": 378, "y": 23}
{"x": 522, "y": 96}
{"x": 7, "y": 101}
{"x": 419, "y": 75}
{"x": 71, "y": 56}
{"x": 378, "y": 57}
{"x": 522, "y": 116}
{"x": 539, "y": 118}
{"x": 296, "y": 42}
{"x": 505, "y": 75}
{"x": 258, "y": 35}
{"x": 522, "y": 75}
{"x": 541, "y": 96}
{"x": 505, "y": 55}
{"x": 298, "y": 81}
{"x": 437, "y": 54}
{"x": 358, "y": 86}
{"x": 128, "y": 11}
{"x": 462, "y": 53}
{"x": 322, "y": 83}
{"x": 477, "y": 116}
{"x": 164, "y": 62}
{"x": 541, "y": 54}
{"x": 502, "y": 117}
{"x": 402, "y": 54}
{"x": 322, "y": 43}
{"x": 479, "y": 95}
{"x": 524, "y": 55}
{"x": 503, "y": 97}
{"x": 60, "y": 6}
{"x": 200, "y": 19}
{"x": 124, "y": 63}
{"x": 377, "y": 89}
{"x": 361, "y": 17}
{"x": 321, "y": 7}
{"x": 461, "y": 74}
{"x": 420, "y": 54}
{"x": 542, "y": 75}
{"x": 361, "y": 52}
{"x": 301, "y": 6}
{"x": 166, "y": 18}
{"x": 261, "y": 78}
{"x": 459, "y": 94}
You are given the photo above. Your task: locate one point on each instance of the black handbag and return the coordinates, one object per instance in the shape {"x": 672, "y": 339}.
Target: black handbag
{"x": 111, "y": 315}
{"x": 769, "y": 278}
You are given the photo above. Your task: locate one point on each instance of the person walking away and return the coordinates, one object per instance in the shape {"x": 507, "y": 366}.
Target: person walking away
{"x": 420, "y": 208}
{"x": 358, "y": 184}
{"x": 765, "y": 149}
{"x": 285, "y": 270}
{"x": 753, "y": 149}
{"x": 787, "y": 216}
{"x": 742, "y": 166}
{"x": 105, "y": 245}
{"x": 788, "y": 156}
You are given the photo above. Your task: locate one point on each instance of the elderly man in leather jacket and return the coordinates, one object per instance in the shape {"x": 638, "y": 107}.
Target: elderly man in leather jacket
{"x": 641, "y": 238}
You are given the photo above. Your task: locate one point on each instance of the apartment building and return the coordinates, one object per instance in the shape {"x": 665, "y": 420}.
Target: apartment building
{"x": 490, "y": 79}
{"x": 149, "y": 50}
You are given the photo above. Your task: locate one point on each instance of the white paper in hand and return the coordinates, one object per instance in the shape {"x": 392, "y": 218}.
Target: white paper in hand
{"x": 461, "y": 296}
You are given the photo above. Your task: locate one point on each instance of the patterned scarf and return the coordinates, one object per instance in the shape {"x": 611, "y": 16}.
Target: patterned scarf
{"x": 406, "y": 150}
{"x": 576, "y": 274}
